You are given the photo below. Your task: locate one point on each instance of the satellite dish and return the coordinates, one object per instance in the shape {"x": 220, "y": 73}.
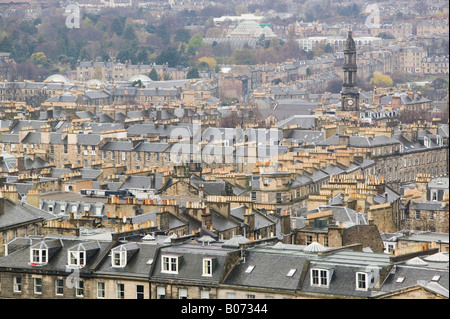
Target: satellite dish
{"x": 263, "y": 210}
{"x": 104, "y": 218}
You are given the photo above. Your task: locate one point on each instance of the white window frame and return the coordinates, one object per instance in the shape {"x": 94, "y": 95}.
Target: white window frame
{"x": 322, "y": 274}
{"x": 79, "y": 288}
{"x": 160, "y": 291}
{"x": 231, "y": 295}
{"x": 101, "y": 291}
{"x": 362, "y": 281}
{"x": 59, "y": 284}
{"x": 38, "y": 255}
{"x": 121, "y": 258}
{"x": 17, "y": 284}
{"x": 167, "y": 263}
{"x": 207, "y": 268}
{"x": 79, "y": 259}
{"x": 204, "y": 294}
{"x": 182, "y": 293}
{"x": 139, "y": 293}
{"x": 37, "y": 287}
{"x": 120, "y": 290}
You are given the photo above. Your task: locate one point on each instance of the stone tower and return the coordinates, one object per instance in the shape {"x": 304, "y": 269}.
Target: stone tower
{"x": 349, "y": 93}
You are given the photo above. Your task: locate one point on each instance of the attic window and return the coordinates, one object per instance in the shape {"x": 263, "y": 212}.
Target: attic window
{"x": 321, "y": 277}
{"x": 119, "y": 258}
{"x": 249, "y": 269}
{"x": 400, "y": 279}
{"x": 169, "y": 264}
{"x": 436, "y": 278}
{"x": 362, "y": 280}
{"x": 291, "y": 272}
{"x": 207, "y": 267}
{"x": 76, "y": 258}
{"x": 38, "y": 256}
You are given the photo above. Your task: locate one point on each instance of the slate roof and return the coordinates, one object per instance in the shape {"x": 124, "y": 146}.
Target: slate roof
{"x": 191, "y": 266}
{"x": 407, "y": 276}
{"x": 20, "y": 256}
{"x": 270, "y": 271}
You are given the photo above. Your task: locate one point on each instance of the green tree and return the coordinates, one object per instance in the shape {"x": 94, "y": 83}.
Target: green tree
{"x": 385, "y": 35}
{"x": 163, "y": 32}
{"x": 153, "y": 75}
{"x": 129, "y": 34}
{"x": 6, "y": 44}
{"x": 118, "y": 26}
{"x": 142, "y": 57}
{"x": 193, "y": 73}
{"x": 243, "y": 56}
{"x": 137, "y": 83}
{"x": 170, "y": 56}
{"x": 195, "y": 43}
{"x": 182, "y": 35}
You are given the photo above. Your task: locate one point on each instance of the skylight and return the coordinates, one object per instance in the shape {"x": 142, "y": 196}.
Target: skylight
{"x": 436, "y": 278}
{"x": 400, "y": 279}
{"x": 249, "y": 269}
{"x": 291, "y": 272}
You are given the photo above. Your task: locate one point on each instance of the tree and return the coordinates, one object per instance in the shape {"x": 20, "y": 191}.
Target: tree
{"x": 142, "y": 57}
{"x": 129, "y": 33}
{"x": 193, "y": 73}
{"x": 209, "y": 61}
{"x": 243, "y": 56}
{"x": 385, "y": 35}
{"x": 5, "y": 44}
{"x": 170, "y": 56}
{"x": 138, "y": 84}
{"x": 194, "y": 43}
{"x": 38, "y": 58}
{"x": 380, "y": 79}
{"x": 153, "y": 75}
{"x": 118, "y": 26}
{"x": 230, "y": 121}
{"x": 182, "y": 35}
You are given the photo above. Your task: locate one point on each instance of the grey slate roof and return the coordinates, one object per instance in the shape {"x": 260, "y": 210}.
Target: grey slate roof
{"x": 270, "y": 271}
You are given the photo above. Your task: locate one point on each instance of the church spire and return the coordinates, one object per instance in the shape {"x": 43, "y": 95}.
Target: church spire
{"x": 349, "y": 93}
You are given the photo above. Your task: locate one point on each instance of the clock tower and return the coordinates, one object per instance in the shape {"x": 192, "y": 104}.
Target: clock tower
{"x": 349, "y": 93}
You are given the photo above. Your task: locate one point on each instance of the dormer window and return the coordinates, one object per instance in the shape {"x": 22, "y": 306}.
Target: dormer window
{"x": 321, "y": 277}
{"x": 208, "y": 266}
{"x": 170, "y": 264}
{"x": 362, "y": 281}
{"x": 38, "y": 256}
{"x": 120, "y": 255}
{"x": 119, "y": 258}
{"x": 76, "y": 259}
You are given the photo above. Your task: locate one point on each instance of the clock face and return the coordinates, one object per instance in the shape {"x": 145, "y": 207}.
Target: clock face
{"x": 350, "y": 102}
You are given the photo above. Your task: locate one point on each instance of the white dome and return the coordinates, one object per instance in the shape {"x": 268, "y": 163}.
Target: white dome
{"x": 416, "y": 261}
{"x": 141, "y": 77}
{"x": 437, "y": 257}
{"x": 57, "y": 78}
{"x": 314, "y": 247}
